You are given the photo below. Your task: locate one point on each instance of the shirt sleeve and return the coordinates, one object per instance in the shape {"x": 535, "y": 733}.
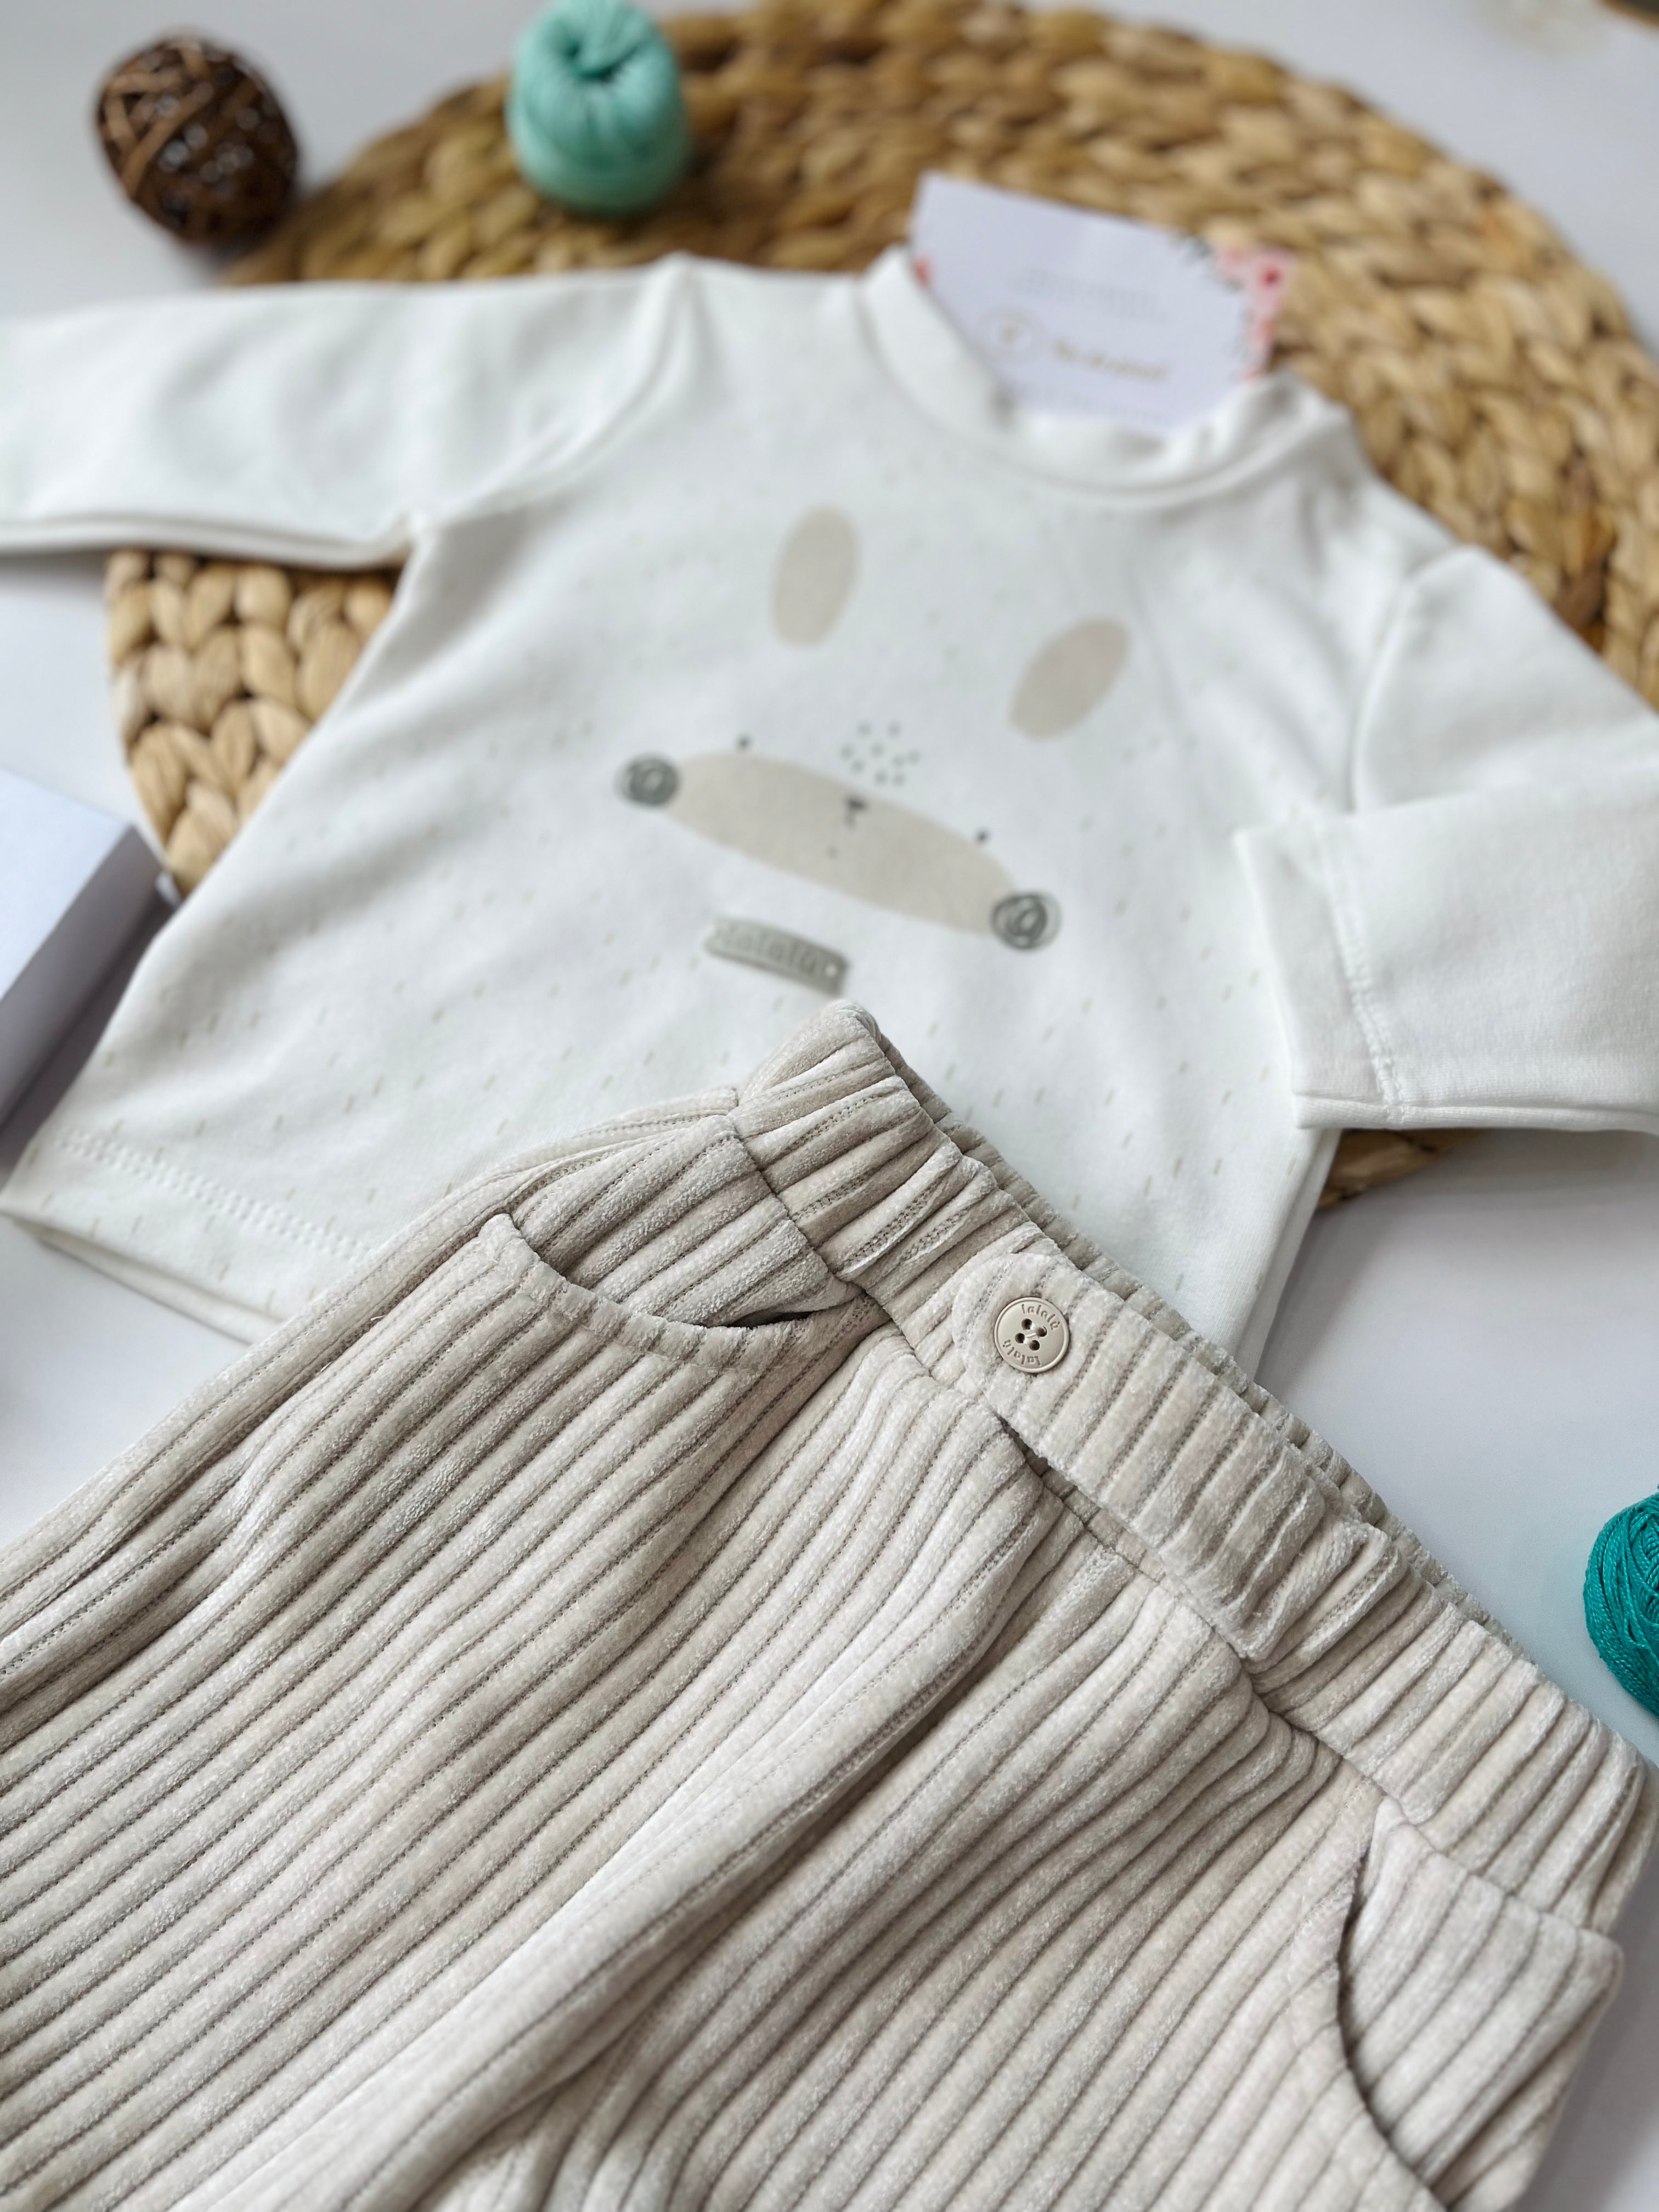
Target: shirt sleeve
{"x": 316, "y": 421}
{"x": 1477, "y": 942}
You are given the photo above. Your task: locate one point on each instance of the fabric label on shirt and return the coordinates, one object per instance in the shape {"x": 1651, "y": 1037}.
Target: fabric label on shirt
{"x": 758, "y": 945}
{"x": 1090, "y": 314}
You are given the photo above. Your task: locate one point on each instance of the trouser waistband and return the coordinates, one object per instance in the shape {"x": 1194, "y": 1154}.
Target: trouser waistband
{"x": 835, "y": 1174}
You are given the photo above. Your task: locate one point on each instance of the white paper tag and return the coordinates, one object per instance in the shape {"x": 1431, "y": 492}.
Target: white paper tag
{"x": 1089, "y": 314}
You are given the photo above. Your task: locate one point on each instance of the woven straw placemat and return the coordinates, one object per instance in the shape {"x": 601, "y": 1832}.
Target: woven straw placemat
{"x": 1493, "y": 378}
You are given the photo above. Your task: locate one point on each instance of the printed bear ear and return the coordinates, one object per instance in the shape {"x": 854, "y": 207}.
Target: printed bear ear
{"x": 814, "y": 576}
{"x": 1067, "y": 677}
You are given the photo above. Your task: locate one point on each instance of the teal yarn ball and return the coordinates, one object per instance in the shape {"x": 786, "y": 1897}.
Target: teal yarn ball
{"x": 594, "y": 109}
{"x": 1621, "y": 1599}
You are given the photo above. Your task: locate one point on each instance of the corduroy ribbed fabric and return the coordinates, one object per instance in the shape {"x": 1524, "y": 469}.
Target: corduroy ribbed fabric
{"x": 630, "y": 1704}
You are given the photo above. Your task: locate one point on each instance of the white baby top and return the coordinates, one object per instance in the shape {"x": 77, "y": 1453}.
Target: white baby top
{"x": 1172, "y": 802}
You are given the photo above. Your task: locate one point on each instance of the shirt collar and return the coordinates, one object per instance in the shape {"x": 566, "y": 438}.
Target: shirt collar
{"x": 938, "y": 373}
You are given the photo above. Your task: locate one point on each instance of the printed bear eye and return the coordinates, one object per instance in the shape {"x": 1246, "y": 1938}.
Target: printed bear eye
{"x": 813, "y": 579}
{"x": 1067, "y": 677}
{"x": 814, "y": 576}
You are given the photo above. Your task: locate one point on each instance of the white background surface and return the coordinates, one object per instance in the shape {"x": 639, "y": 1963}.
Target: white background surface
{"x": 1483, "y": 1342}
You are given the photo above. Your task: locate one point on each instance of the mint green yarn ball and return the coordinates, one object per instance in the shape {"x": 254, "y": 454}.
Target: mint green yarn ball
{"x": 1621, "y": 1598}
{"x": 594, "y": 109}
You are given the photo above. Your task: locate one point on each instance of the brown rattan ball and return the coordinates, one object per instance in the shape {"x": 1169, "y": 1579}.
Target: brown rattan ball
{"x": 198, "y": 139}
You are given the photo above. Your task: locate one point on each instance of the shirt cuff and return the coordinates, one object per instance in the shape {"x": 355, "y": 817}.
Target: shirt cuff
{"x": 1333, "y": 1073}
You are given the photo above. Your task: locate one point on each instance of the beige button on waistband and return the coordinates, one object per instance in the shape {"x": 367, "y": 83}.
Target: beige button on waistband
{"x": 1031, "y": 1335}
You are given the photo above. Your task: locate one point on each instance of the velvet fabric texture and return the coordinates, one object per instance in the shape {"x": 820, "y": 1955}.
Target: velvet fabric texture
{"x": 630, "y": 1702}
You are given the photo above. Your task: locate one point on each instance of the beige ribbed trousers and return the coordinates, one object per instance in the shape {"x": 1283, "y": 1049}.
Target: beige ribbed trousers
{"x": 632, "y": 1704}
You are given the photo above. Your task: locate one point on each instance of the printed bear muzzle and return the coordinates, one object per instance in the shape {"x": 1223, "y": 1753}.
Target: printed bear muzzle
{"x": 834, "y": 834}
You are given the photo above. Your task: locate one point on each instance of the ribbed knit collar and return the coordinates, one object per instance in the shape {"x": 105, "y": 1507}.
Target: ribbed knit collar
{"x": 938, "y": 373}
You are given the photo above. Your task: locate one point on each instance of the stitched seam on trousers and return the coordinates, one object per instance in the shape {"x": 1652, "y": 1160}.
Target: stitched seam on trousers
{"x": 1130, "y": 1448}
{"x": 1065, "y": 1493}
{"x": 723, "y": 1267}
{"x": 854, "y": 1175}
{"x": 1377, "y": 1625}
{"x": 928, "y": 1247}
{"x": 1072, "y": 1385}
{"x": 680, "y": 1182}
{"x": 882, "y": 1241}
{"x": 1062, "y": 1491}
{"x": 740, "y": 1347}
{"x": 1253, "y": 1421}
{"x": 1219, "y": 1472}
{"x": 1136, "y": 1356}
{"x": 809, "y": 1137}
{"x": 602, "y": 1206}
{"x": 823, "y": 1119}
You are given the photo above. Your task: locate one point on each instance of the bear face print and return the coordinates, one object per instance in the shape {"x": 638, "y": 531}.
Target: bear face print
{"x": 849, "y": 839}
